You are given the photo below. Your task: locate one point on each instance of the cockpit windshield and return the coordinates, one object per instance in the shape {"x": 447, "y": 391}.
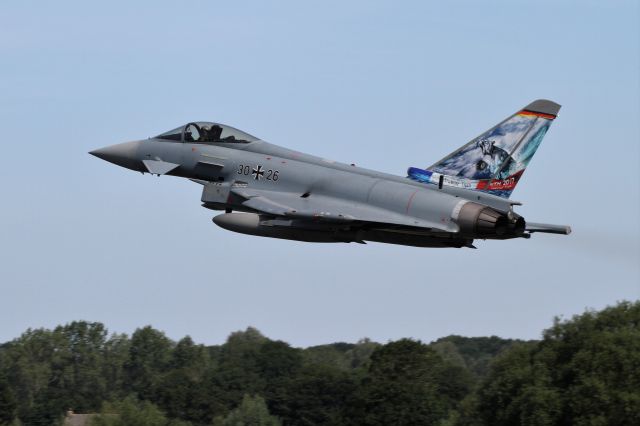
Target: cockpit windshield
{"x": 172, "y": 135}
{"x": 206, "y": 132}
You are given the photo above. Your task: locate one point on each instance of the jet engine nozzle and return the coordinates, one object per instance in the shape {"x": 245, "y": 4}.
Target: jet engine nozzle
{"x": 518, "y": 226}
{"x": 482, "y": 221}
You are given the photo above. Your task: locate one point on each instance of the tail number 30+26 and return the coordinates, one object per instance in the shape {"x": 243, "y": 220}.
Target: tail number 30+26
{"x": 258, "y": 172}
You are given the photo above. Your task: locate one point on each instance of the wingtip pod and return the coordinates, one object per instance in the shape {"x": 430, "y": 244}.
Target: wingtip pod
{"x": 543, "y": 107}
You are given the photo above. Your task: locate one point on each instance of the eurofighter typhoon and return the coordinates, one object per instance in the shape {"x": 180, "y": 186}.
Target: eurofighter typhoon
{"x": 271, "y": 191}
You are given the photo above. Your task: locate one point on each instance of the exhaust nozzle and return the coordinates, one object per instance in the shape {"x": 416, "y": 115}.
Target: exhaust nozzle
{"x": 482, "y": 221}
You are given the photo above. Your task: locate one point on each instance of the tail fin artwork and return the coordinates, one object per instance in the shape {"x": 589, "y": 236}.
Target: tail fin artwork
{"x": 494, "y": 161}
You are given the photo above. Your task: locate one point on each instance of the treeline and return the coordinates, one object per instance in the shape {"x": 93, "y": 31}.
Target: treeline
{"x": 584, "y": 371}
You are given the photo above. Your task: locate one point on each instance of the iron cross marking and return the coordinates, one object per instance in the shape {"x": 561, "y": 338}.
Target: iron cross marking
{"x": 257, "y": 172}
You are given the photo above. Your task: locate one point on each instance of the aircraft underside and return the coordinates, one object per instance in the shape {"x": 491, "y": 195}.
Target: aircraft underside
{"x": 266, "y": 226}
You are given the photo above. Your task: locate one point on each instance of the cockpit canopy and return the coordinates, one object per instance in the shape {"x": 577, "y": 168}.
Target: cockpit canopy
{"x": 206, "y": 132}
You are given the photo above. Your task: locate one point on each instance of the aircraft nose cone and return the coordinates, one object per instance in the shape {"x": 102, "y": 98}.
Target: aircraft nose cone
{"x": 122, "y": 154}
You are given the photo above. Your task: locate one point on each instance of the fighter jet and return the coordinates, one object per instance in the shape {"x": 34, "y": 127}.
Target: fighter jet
{"x": 271, "y": 191}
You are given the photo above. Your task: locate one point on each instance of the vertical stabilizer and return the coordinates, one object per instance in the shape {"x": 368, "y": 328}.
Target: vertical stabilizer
{"x": 495, "y": 161}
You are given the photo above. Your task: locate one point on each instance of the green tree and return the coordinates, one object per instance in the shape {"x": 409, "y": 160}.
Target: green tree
{"x": 277, "y": 360}
{"x": 449, "y": 352}
{"x": 316, "y": 395}
{"x": 238, "y": 371}
{"x": 130, "y": 412}
{"x": 332, "y": 355}
{"x": 51, "y": 371}
{"x": 476, "y": 353}
{"x": 182, "y": 393}
{"x": 408, "y": 383}
{"x": 509, "y": 388}
{"x": 361, "y": 352}
{"x": 115, "y": 356}
{"x": 76, "y": 380}
{"x": 8, "y": 402}
{"x": 242, "y": 340}
{"x": 252, "y": 411}
{"x": 149, "y": 357}
{"x": 584, "y": 372}
{"x": 27, "y": 367}
{"x": 277, "y": 364}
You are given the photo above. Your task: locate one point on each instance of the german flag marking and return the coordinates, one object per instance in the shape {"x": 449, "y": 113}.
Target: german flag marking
{"x": 537, "y": 114}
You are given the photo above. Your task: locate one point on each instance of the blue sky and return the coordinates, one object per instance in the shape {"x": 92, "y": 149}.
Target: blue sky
{"x": 386, "y": 85}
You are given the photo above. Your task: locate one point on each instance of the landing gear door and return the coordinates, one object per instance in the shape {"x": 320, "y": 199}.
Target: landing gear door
{"x": 215, "y": 195}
